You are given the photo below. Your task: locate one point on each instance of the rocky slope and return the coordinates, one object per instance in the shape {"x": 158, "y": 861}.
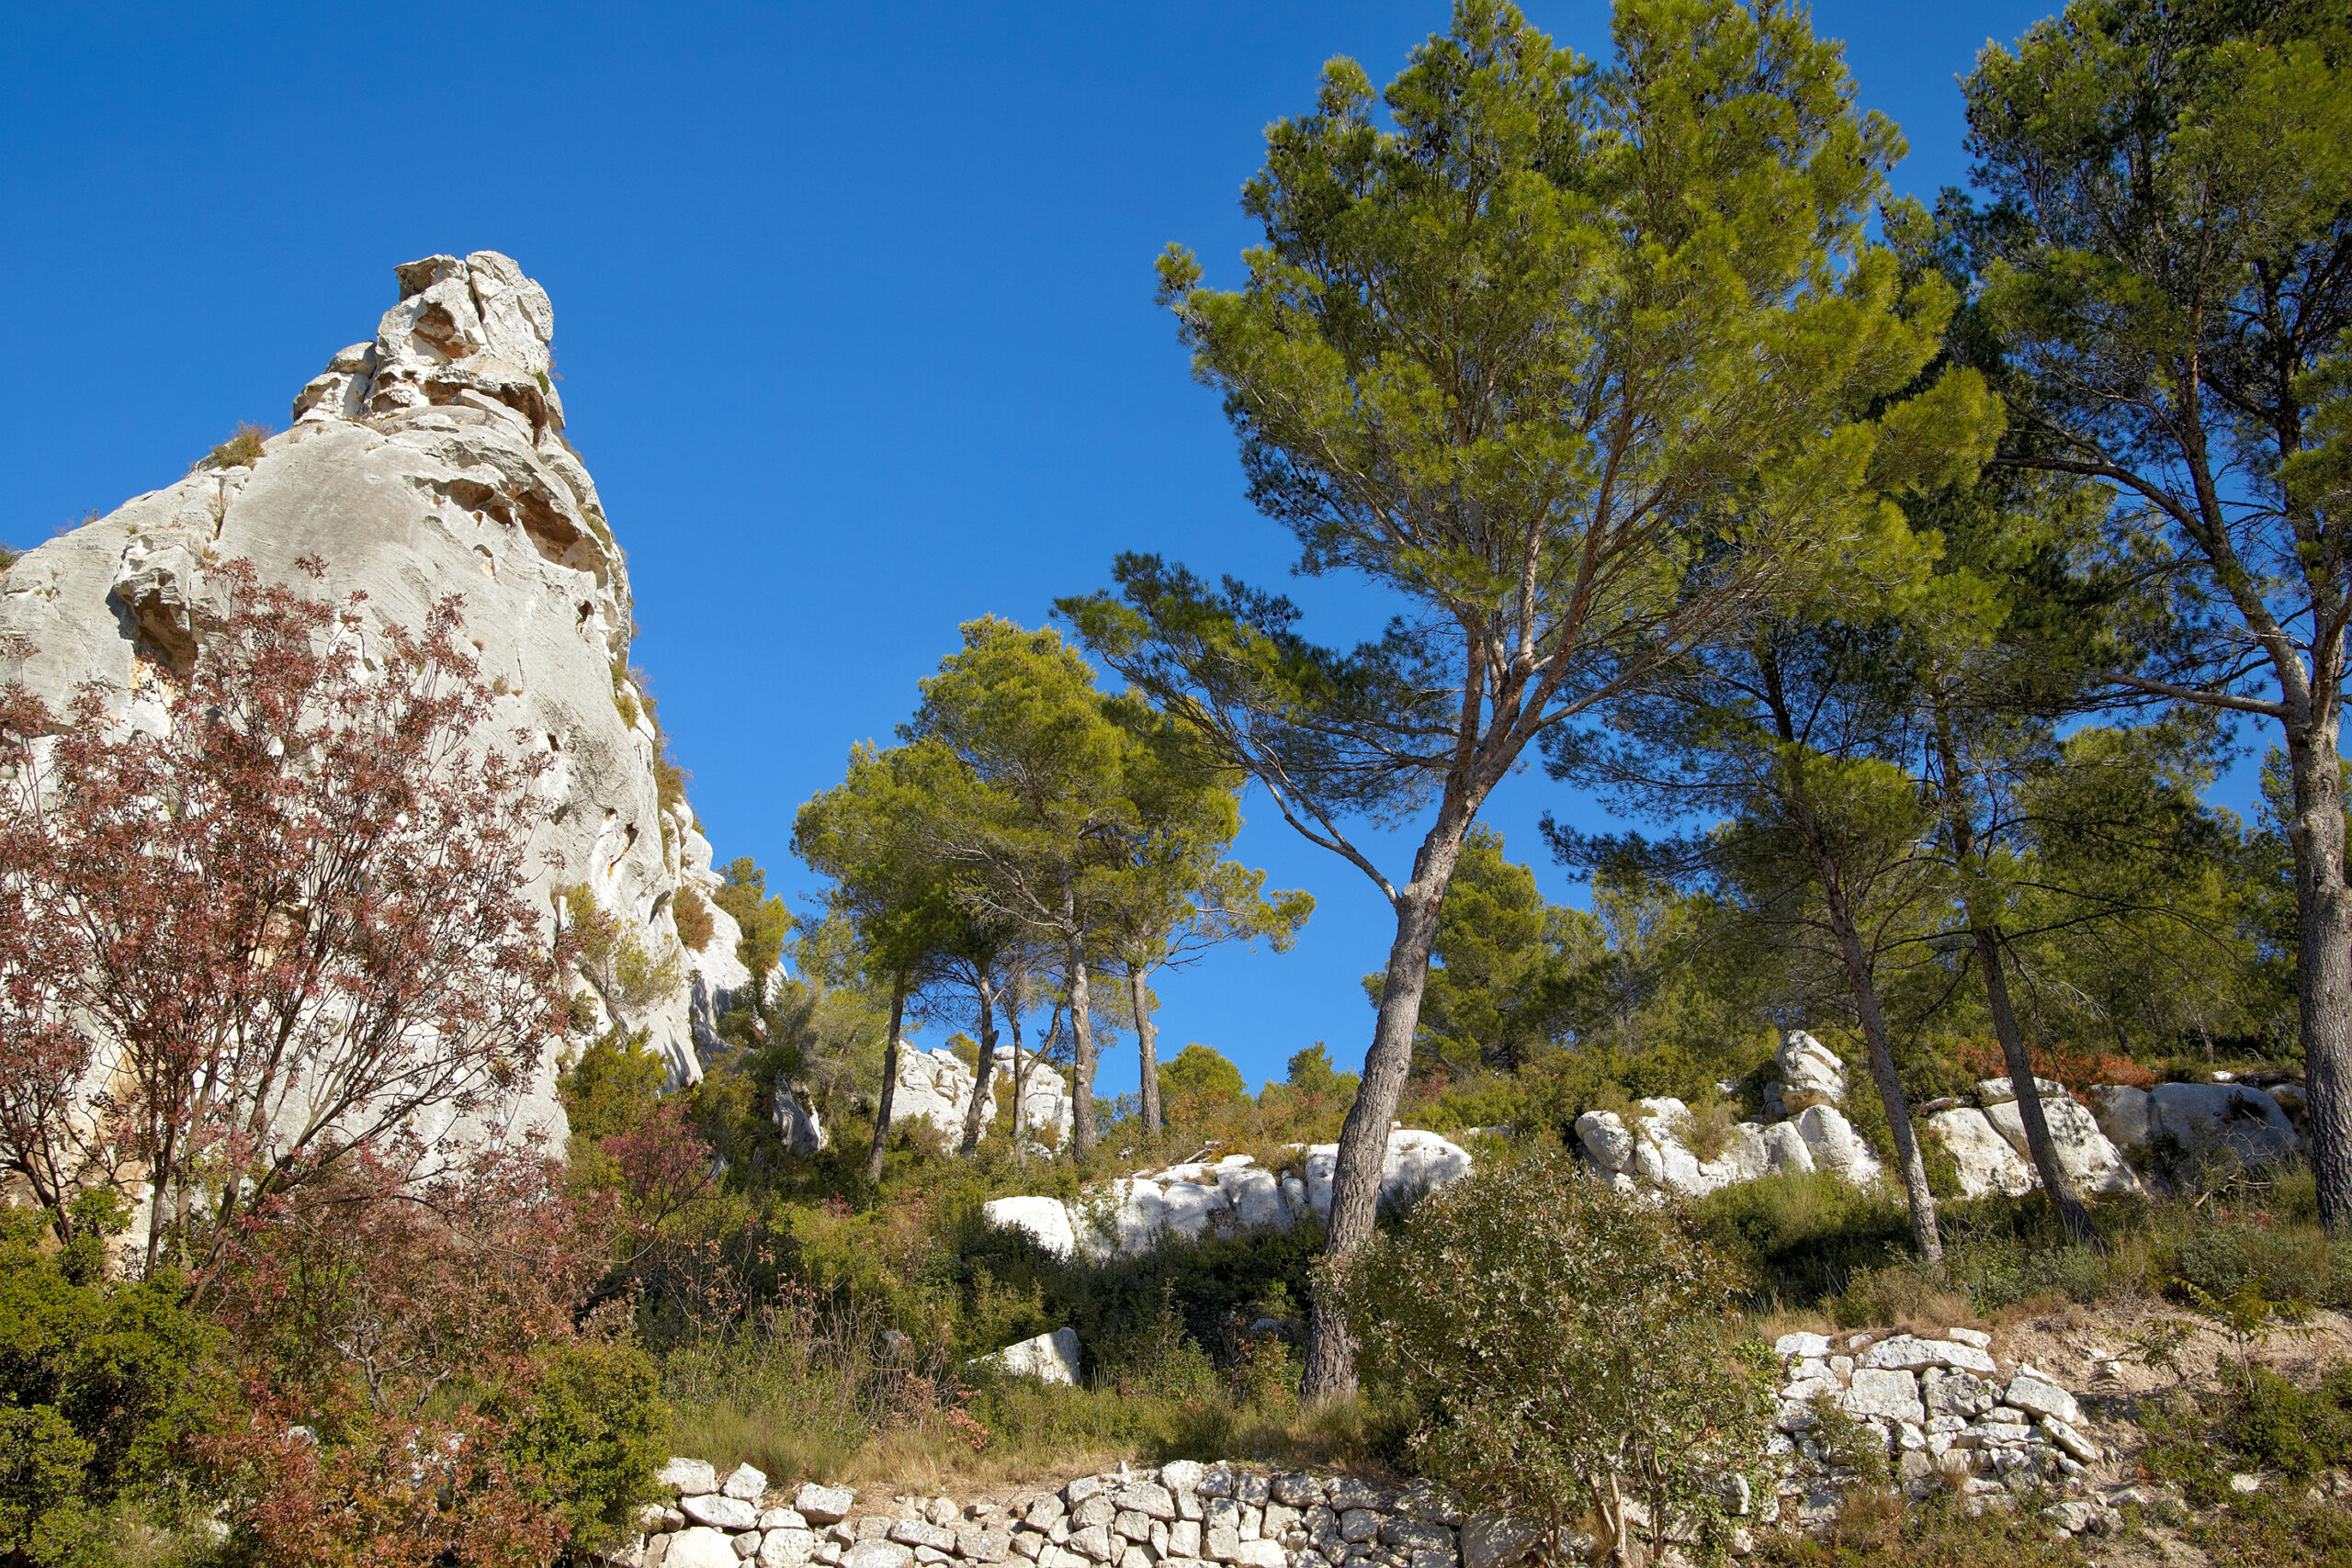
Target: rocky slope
{"x": 427, "y": 459}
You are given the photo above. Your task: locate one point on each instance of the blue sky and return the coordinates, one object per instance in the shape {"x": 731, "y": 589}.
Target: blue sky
{"x": 854, "y": 312}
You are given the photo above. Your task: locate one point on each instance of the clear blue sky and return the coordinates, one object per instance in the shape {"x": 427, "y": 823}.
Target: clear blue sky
{"x": 854, "y": 312}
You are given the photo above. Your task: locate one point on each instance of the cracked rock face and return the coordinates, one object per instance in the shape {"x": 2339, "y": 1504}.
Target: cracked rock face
{"x": 429, "y": 460}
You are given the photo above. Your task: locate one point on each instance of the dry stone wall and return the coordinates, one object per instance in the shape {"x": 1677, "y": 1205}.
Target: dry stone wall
{"x": 1945, "y": 1411}
{"x": 1938, "y": 1410}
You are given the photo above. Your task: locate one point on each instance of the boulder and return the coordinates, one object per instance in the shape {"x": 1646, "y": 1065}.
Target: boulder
{"x": 1811, "y": 1074}
{"x": 699, "y": 1546}
{"x": 1253, "y": 1193}
{"x": 1050, "y": 1357}
{"x": 1604, "y": 1137}
{"x": 1890, "y": 1395}
{"x": 2002, "y": 1090}
{"x": 796, "y": 1117}
{"x": 1835, "y": 1146}
{"x": 1785, "y": 1151}
{"x": 1911, "y": 1353}
{"x": 687, "y": 1477}
{"x": 823, "y": 1505}
{"x": 719, "y": 1511}
{"x": 1046, "y": 1220}
{"x": 2090, "y": 1162}
{"x": 2237, "y": 1117}
{"x": 2123, "y": 1114}
{"x": 745, "y": 1483}
{"x": 933, "y": 1087}
{"x": 1986, "y": 1161}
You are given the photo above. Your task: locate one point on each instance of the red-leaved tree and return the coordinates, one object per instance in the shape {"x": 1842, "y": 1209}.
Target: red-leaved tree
{"x": 281, "y": 929}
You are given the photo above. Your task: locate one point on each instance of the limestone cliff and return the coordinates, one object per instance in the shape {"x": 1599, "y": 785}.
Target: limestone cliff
{"x": 431, "y": 458}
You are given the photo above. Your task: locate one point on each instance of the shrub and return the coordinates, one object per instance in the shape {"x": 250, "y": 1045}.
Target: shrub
{"x": 1802, "y": 1237}
{"x": 696, "y": 927}
{"x": 2284, "y": 1263}
{"x": 1558, "y": 1347}
{"x": 98, "y": 1383}
{"x": 241, "y": 450}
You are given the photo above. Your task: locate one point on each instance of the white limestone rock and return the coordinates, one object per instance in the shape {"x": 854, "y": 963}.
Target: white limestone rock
{"x": 698, "y": 1546}
{"x": 2090, "y": 1162}
{"x": 2245, "y": 1121}
{"x": 687, "y": 1477}
{"x": 934, "y": 1086}
{"x": 1911, "y": 1353}
{"x": 425, "y": 461}
{"x": 1049, "y": 1358}
{"x": 795, "y": 1116}
{"x": 2002, "y": 1090}
{"x": 1835, "y": 1146}
{"x": 1891, "y": 1396}
{"x": 1045, "y": 1219}
{"x": 1986, "y": 1161}
{"x": 1811, "y": 1074}
{"x": 1604, "y": 1137}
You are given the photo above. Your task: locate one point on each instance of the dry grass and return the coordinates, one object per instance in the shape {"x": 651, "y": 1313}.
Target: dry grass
{"x": 241, "y": 450}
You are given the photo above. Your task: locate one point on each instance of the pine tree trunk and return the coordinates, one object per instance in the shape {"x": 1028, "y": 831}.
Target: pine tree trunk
{"x": 1147, "y": 1049}
{"x": 889, "y": 1079}
{"x": 1960, "y": 820}
{"x": 1859, "y": 978}
{"x": 1363, "y": 1137}
{"x": 1017, "y": 1003}
{"x": 975, "y": 1115}
{"x": 1082, "y": 1028}
{"x": 2076, "y": 1219}
{"x": 2324, "y": 961}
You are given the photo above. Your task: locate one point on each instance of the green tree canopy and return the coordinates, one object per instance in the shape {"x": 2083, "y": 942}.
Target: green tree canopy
{"x": 2163, "y": 282}
{"x": 1568, "y": 359}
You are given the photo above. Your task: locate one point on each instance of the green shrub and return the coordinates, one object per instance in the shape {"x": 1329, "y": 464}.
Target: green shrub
{"x": 1560, "y": 1347}
{"x": 1804, "y": 1237}
{"x": 590, "y": 1432}
{"x": 2283, "y": 1263}
{"x": 691, "y": 913}
{"x": 99, "y": 1381}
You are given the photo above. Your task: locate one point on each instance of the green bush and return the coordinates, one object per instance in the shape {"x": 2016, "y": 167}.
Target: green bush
{"x": 1802, "y": 1237}
{"x": 99, "y": 1382}
{"x": 590, "y": 1431}
{"x": 2283, "y": 1263}
{"x": 1560, "y": 1347}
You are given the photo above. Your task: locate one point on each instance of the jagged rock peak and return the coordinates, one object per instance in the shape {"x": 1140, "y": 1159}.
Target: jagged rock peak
{"x": 429, "y": 460}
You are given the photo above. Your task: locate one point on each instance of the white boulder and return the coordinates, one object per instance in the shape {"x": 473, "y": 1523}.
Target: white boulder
{"x": 2122, "y": 1114}
{"x": 1835, "y": 1146}
{"x": 1050, "y": 1357}
{"x": 1045, "y": 1219}
{"x": 2090, "y": 1162}
{"x": 2244, "y": 1120}
{"x": 1986, "y": 1162}
{"x": 1811, "y": 1074}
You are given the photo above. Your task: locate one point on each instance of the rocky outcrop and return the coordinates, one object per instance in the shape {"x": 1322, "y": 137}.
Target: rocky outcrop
{"x": 1202, "y": 1199}
{"x": 935, "y": 1087}
{"x": 2087, "y": 1155}
{"x": 1809, "y": 1133}
{"x": 430, "y": 459}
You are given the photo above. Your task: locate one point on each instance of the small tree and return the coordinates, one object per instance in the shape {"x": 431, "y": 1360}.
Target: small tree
{"x": 1560, "y": 1346}
{"x": 275, "y": 935}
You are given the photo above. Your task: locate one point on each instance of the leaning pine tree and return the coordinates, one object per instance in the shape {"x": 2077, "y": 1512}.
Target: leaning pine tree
{"x": 1568, "y": 360}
